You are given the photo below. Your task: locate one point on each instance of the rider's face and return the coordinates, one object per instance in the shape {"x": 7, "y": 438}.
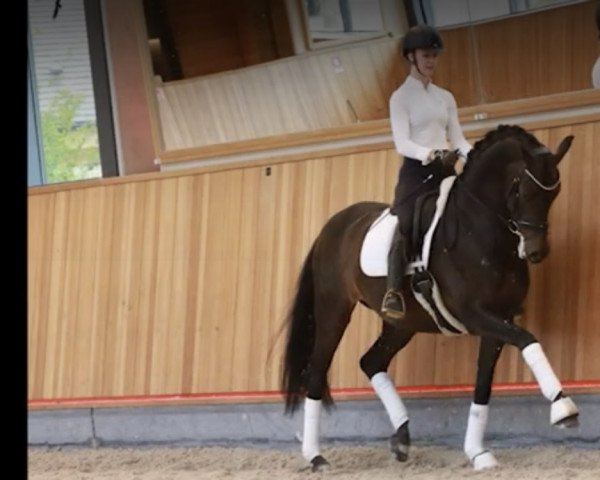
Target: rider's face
{"x": 426, "y": 59}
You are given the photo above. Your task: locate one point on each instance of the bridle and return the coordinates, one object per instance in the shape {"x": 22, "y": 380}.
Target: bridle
{"x": 514, "y": 225}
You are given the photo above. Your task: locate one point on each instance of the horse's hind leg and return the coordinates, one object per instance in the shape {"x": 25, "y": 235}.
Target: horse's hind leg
{"x": 331, "y": 317}
{"x": 374, "y": 364}
{"x": 489, "y": 351}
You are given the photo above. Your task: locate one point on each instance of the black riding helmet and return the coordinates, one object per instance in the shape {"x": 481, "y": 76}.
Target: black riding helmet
{"x": 421, "y": 36}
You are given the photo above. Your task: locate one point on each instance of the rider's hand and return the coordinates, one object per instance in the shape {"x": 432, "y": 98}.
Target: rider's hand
{"x": 459, "y": 166}
{"x": 447, "y": 157}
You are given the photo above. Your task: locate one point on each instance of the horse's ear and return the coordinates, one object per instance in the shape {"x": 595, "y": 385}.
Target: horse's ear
{"x": 563, "y": 148}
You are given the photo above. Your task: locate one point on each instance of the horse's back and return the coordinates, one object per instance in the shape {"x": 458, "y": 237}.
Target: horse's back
{"x": 336, "y": 250}
{"x": 352, "y": 217}
{"x": 358, "y": 210}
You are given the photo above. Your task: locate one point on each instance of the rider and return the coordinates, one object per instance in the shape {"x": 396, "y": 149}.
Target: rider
{"x": 423, "y": 118}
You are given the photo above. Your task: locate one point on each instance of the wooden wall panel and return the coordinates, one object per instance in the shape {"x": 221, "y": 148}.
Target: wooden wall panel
{"x": 303, "y": 94}
{"x": 180, "y": 284}
{"x": 539, "y": 54}
{"x": 206, "y": 39}
{"x": 457, "y": 67}
{"x": 524, "y": 56}
{"x": 214, "y": 36}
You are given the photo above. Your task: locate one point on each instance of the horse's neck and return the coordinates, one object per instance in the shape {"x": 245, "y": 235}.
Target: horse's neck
{"x": 490, "y": 171}
{"x": 483, "y": 211}
{"x": 486, "y": 185}
{"x": 484, "y": 230}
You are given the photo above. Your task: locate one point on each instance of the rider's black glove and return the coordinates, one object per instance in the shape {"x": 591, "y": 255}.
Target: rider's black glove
{"x": 447, "y": 157}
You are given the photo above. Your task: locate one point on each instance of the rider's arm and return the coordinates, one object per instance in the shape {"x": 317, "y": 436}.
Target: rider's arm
{"x": 455, "y": 133}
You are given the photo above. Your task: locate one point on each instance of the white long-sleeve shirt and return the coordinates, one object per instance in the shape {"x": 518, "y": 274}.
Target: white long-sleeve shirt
{"x": 425, "y": 118}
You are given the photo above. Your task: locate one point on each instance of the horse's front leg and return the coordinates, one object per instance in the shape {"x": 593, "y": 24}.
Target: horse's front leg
{"x": 563, "y": 411}
{"x": 480, "y": 457}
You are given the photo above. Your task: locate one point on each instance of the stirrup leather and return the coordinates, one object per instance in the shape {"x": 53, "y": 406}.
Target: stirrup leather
{"x": 422, "y": 282}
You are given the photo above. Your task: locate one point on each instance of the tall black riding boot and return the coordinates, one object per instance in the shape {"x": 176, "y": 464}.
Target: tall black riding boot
{"x": 393, "y": 302}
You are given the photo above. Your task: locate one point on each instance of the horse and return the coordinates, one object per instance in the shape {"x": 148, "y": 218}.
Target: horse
{"x": 495, "y": 222}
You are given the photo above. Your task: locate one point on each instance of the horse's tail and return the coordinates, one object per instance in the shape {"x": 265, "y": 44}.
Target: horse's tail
{"x": 300, "y": 340}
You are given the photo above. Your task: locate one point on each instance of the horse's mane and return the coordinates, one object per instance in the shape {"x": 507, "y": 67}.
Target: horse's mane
{"x": 500, "y": 133}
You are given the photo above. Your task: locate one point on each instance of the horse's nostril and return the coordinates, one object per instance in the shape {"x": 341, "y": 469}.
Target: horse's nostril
{"x": 536, "y": 257}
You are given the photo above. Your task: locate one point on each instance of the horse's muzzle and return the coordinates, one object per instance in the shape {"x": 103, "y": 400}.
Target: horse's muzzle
{"x": 536, "y": 246}
{"x": 536, "y": 251}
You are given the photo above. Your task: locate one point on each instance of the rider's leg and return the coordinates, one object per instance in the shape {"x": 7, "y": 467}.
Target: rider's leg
{"x": 413, "y": 179}
{"x": 393, "y": 305}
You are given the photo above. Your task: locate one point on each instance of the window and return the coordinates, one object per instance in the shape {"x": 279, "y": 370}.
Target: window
{"x": 63, "y": 99}
{"x": 342, "y": 20}
{"x": 442, "y": 13}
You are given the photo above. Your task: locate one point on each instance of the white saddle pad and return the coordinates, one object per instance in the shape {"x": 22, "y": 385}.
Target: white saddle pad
{"x": 376, "y": 245}
{"x": 378, "y": 240}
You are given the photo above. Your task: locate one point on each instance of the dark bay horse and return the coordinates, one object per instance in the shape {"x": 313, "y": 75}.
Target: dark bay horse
{"x": 497, "y": 216}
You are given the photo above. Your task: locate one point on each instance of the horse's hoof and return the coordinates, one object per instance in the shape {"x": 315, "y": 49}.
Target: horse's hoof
{"x": 400, "y": 443}
{"x": 401, "y": 456}
{"x": 564, "y": 413}
{"x": 485, "y": 460}
{"x": 319, "y": 464}
{"x": 569, "y": 422}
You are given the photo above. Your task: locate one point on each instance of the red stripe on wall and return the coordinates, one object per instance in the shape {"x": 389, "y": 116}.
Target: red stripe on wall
{"x": 347, "y": 393}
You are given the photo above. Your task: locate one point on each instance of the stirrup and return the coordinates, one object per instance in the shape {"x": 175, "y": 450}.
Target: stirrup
{"x": 396, "y": 314}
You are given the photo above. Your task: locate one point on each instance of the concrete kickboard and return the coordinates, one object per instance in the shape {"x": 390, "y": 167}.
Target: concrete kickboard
{"x": 60, "y": 427}
{"x": 513, "y": 421}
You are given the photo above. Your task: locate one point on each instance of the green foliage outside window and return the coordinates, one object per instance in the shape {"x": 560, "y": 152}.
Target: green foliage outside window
{"x": 70, "y": 151}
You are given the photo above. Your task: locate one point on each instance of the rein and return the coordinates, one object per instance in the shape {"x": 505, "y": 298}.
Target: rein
{"x": 512, "y": 224}
{"x": 505, "y": 221}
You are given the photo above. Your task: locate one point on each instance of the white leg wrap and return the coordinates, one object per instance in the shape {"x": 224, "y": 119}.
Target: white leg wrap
{"x": 542, "y": 371}
{"x": 310, "y": 437}
{"x": 474, "y": 449}
{"x": 386, "y": 391}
